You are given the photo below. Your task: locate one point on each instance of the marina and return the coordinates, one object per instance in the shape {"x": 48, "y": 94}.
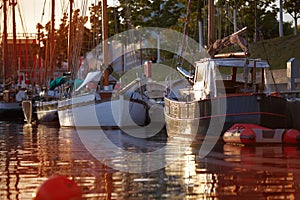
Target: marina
{"x": 116, "y": 103}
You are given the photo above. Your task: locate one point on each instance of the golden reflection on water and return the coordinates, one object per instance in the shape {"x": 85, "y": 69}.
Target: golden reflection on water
{"x": 29, "y": 155}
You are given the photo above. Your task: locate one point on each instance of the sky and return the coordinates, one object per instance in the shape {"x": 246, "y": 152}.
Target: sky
{"x": 32, "y": 13}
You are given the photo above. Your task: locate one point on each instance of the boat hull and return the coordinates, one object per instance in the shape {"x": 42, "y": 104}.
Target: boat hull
{"x": 294, "y": 109}
{"x": 11, "y": 111}
{"x": 46, "y": 111}
{"x": 86, "y": 112}
{"x": 199, "y": 116}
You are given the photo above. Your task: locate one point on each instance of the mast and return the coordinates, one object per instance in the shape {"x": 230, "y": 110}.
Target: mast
{"x": 52, "y": 37}
{"x": 210, "y": 36}
{"x": 105, "y": 33}
{"x": 14, "y": 58}
{"x": 70, "y": 36}
{"x": 4, "y": 40}
{"x": 185, "y": 30}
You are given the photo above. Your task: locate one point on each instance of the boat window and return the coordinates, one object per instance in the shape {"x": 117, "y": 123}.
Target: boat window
{"x": 200, "y": 73}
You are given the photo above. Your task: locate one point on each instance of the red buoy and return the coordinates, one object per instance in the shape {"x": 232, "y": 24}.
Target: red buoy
{"x": 59, "y": 188}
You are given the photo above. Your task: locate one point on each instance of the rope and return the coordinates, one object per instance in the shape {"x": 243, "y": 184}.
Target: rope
{"x": 43, "y": 13}
{"x": 64, "y": 6}
{"x": 22, "y": 22}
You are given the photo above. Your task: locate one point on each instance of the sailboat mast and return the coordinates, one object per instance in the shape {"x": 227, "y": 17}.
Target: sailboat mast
{"x": 52, "y": 37}
{"x": 4, "y": 40}
{"x": 14, "y": 58}
{"x": 210, "y": 36}
{"x": 105, "y": 33}
{"x": 70, "y": 36}
{"x": 185, "y": 29}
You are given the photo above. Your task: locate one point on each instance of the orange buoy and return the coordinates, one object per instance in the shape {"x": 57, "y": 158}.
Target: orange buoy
{"x": 59, "y": 188}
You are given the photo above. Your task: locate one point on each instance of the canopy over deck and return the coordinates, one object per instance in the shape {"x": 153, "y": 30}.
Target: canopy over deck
{"x": 236, "y": 62}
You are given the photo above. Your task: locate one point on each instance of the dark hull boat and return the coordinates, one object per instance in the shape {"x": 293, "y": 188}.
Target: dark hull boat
{"x": 216, "y": 101}
{"x": 10, "y": 108}
{"x": 251, "y": 134}
{"x": 196, "y": 117}
{"x": 11, "y": 111}
{"x": 224, "y": 90}
{"x": 294, "y": 108}
{"x": 40, "y": 111}
{"x": 43, "y": 108}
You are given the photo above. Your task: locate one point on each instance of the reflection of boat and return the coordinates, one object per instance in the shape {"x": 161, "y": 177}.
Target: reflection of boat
{"x": 254, "y": 134}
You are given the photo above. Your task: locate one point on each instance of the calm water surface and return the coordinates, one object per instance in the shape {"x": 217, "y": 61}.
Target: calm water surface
{"x": 30, "y": 155}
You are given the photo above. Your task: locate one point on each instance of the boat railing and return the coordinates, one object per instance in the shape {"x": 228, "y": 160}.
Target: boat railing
{"x": 129, "y": 86}
{"x": 290, "y": 94}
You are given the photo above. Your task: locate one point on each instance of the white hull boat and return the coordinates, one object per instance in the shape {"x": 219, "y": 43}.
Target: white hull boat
{"x": 104, "y": 108}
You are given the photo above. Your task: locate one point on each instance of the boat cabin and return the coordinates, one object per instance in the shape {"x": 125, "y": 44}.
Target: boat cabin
{"x": 219, "y": 76}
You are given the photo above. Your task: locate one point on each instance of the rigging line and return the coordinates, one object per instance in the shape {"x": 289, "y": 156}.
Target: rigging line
{"x": 198, "y": 19}
{"x": 263, "y": 44}
{"x": 1, "y": 19}
{"x": 43, "y": 12}
{"x": 185, "y": 30}
{"x": 64, "y": 6}
{"x": 21, "y": 18}
{"x": 84, "y": 8}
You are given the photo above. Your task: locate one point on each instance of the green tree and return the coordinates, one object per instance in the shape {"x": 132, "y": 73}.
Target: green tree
{"x": 96, "y": 24}
{"x": 293, "y": 8}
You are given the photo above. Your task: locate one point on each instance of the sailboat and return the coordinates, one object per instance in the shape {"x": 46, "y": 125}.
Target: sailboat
{"x": 97, "y": 103}
{"x": 43, "y": 107}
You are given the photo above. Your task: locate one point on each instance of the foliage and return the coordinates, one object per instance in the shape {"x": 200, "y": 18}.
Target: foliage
{"x": 131, "y": 14}
{"x": 293, "y": 8}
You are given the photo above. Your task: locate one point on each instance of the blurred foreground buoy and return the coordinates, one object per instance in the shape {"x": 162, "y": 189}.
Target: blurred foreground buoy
{"x": 59, "y": 188}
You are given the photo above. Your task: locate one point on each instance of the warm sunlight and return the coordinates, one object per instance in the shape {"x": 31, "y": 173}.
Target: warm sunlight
{"x": 31, "y": 12}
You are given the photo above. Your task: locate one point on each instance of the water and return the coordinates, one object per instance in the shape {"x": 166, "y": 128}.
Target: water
{"x": 30, "y": 155}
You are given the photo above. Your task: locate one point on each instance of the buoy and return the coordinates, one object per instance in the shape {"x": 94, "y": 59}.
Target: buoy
{"x": 59, "y": 188}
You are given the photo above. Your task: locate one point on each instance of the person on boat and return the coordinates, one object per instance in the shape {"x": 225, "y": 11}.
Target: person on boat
{"x": 21, "y": 95}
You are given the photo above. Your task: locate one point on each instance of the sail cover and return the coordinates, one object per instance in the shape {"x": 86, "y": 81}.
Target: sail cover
{"x": 91, "y": 76}
{"x": 57, "y": 82}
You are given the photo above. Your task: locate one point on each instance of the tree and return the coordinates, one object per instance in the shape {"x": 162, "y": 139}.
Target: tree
{"x": 96, "y": 24}
{"x": 258, "y": 16}
{"x": 293, "y": 8}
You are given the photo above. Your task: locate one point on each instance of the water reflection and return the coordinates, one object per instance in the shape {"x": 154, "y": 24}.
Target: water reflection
{"x": 29, "y": 155}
